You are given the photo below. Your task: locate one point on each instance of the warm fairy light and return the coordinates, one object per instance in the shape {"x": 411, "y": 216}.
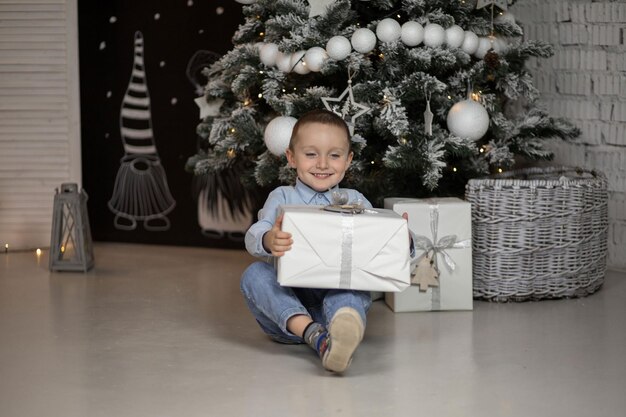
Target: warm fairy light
{"x": 454, "y": 169}
{"x": 232, "y": 130}
{"x": 261, "y": 34}
{"x": 294, "y": 89}
{"x": 261, "y": 72}
{"x": 372, "y": 162}
{"x": 62, "y": 249}
{"x": 399, "y": 17}
{"x": 260, "y": 95}
{"x": 482, "y": 149}
{"x": 246, "y": 102}
{"x": 500, "y": 170}
{"x": 449, "y": 98}
{"x": 231, "y": 153}
{"x": 38, "y": 251}
{"x": 284, "y": 91}
{"x": 381, "y": 55}
{"x": 403, "y": 140}
{"x": 475, "y": 96}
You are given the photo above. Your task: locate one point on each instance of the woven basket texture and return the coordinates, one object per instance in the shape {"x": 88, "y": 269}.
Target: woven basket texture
{"x": 538, "y": 233}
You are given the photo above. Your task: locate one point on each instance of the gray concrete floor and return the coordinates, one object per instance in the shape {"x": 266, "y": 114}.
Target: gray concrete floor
{"x": 162, "y": 331}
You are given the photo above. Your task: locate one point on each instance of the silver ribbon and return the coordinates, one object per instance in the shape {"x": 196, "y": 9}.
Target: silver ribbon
{"x": 446, "y": 242}
{"x": 347, "y": 233}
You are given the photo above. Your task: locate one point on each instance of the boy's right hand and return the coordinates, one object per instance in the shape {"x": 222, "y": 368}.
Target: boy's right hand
{"x": 275, "y": 241}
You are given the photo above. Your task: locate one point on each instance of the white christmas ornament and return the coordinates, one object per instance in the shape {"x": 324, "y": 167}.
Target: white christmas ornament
{"x": 455, "y": 35}
{"x": 268, "y": 53}
{"x": 363, "y": 40}
{"x": 388, "y": 30}
{"x": 499, "y": 45}
{"x": 484, "y": 44}
{"x": 468, "y": 119}
{"x": 315, "y": 58}
{"x": 412, "y": 33}
{"x": 283, "y": 62}
{"x": 278, "y": 133}
{"x": 470, "y": 42}
{"x": 338, "y": 47}
{"x": 298, "y": 64}
{"x": 434, "y": 35}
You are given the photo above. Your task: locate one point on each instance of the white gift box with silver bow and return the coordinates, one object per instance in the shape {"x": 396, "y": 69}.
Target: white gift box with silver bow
{"x": 441, "y": 228}
{"x": 367, "y": 251}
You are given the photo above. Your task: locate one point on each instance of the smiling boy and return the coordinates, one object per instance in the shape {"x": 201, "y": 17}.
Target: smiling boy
{"x": 331, "y": 321}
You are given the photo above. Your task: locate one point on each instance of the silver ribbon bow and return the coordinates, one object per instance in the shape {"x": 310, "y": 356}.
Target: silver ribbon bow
{"x": 446, "y": 242}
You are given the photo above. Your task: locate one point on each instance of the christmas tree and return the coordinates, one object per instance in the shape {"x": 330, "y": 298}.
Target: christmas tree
{"x": 435, "y": 92}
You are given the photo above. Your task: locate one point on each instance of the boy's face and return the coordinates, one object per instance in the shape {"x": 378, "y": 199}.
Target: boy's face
{"x": 320, "y": 155}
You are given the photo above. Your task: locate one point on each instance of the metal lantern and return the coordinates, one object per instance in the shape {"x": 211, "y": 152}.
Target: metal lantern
{"x": 70, "y": 242}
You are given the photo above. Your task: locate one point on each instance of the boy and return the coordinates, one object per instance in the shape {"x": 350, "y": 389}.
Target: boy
{"x": 332, "y": 321}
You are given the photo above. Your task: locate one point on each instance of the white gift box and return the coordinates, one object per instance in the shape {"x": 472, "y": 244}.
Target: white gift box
{"x": 443, "y": 227}
{"x": 367, "y": 251}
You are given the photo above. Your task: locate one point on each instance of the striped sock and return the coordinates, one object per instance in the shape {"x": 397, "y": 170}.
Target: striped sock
{"x": 316, "y": 336}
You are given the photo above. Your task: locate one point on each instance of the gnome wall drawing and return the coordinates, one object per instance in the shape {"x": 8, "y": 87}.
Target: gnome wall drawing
{"x": 224, "y": 206}
{"x": 141, "y": 192}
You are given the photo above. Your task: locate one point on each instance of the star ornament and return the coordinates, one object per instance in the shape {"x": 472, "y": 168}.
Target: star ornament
{"x": 503, "y": 4}
{"x": 318, "y": 7}
{"x": 347, "y": 109}
{"x": 211, "y": 108}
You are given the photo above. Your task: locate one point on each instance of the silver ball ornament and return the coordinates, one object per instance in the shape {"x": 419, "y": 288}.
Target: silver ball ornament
{"x": 412, "y": 33}
{"x": 315, "y": 58}
{"x": 470, "y": 42}
{"x": 338, "y": 47}
{"x": 283, "y": 62}
{"x": 484, "y": 44}
{"x": 363, "y": 40}
{"x": 468, "y": 119}
{"x": 278, "y": 133}
{"x": 388, "y": 30}
{"x": 268, "y": 53}
{"x": 297, "y": 63}
{"x": 455, "y": 36}
{"x": 434, "y": 35}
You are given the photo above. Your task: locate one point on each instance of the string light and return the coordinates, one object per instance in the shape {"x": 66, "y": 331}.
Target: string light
{"x": 232, "y": 130}
{"x": 261, "y": 72}
{"x": 381, "y": 55}
{"x": 38, "y": 252}
{"x": 246, "y": 102}
{"x": 372, "y": 162}
{"x": 475, "y": 96}
{"x": 62, "y": 249}
{"x": 454, "y": 169}
{"x": 482, "y": 149}
{"x": 231, "y": 153}
{"x": 260, "y": 95}
{"x": 500, "y": 170}
{"x": 261, "y": 34}
{"x": 449, "y": 98}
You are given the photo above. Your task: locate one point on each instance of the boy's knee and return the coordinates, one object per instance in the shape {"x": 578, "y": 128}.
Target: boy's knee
{"x": 255, "y": 274}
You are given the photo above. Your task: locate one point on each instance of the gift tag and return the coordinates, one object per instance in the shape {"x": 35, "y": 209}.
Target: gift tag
{"x": 425, "y": 274}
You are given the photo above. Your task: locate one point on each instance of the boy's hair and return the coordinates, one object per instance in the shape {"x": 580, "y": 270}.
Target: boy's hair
{"x": 324, "y": 117}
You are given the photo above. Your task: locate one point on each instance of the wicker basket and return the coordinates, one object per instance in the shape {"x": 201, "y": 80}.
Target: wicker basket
{"x": 538, "y": 233}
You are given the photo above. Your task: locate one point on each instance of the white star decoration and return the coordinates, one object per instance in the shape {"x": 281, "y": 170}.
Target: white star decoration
{"x": 318, "y": 7}
{"x": 209, "y": 108}
{"x": 500, "y": 3}
{"x": 345, "y": 110}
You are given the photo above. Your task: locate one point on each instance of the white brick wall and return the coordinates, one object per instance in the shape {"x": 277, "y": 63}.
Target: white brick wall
{"x": 585, "y": 81}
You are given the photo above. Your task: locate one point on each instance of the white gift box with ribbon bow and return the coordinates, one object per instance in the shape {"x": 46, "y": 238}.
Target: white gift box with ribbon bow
{"x": 442, "y": 230}
{"x": 367, "y": 251}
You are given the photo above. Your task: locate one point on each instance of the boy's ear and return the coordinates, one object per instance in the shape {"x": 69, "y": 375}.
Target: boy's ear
{"x": 290, "y": 158}
{"x": 350, "y": 156}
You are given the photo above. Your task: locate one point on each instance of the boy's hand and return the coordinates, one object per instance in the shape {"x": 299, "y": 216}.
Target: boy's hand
{"x": 275, "y": 241}
{"x": 405, "y": 216}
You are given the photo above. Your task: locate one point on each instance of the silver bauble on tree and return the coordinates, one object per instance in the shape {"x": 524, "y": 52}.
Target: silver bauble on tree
{"x": 278, "y": 133}
{"x": 468, "y": 119}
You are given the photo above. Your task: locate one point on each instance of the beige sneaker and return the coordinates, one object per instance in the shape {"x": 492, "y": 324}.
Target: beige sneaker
{"x": 345, "y": 333}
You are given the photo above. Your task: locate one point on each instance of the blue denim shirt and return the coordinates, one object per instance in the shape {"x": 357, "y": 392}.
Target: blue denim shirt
{"x": 300, "y": 194}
